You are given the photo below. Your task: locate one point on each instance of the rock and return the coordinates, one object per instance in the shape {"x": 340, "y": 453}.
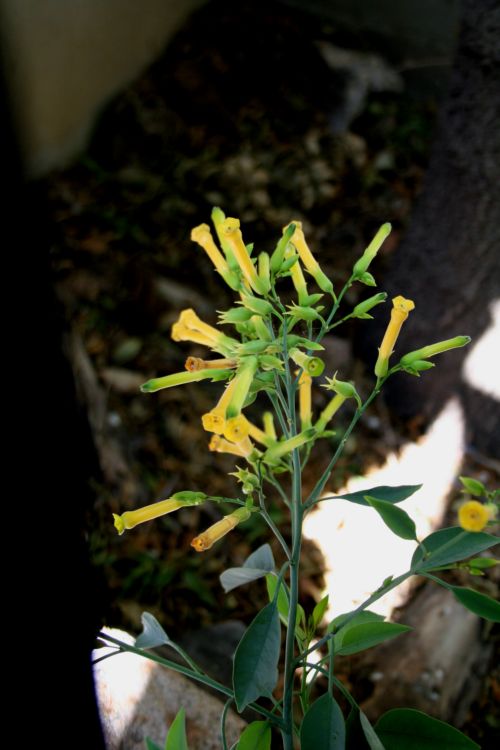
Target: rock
{"x": 138, "y": 698}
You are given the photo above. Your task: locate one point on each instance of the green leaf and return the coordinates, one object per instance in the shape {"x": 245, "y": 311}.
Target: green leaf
{"x": 370, "y": 734}
{"x": 256, "y": 736}
{"x": 473, "y": 486}
{"x": 389, "y": 494}
{"x": 395, "y": 518}
{"x": 413, "y": 730}
{"x": 480, "y": 604}
{"x": 358, "y": 619}
{"x": 150, "y": 745}
{"x": 255, "y": 669}
{"x": 176, "y": 737}
{"x": 354, "y": 638}
{"x": 323, "y": 726}
{"x": 449, "y": 545}
{"x": 482, "y": 563}
{"x": 257, "y": 565}
{"x": 319, "y": 611}
{"x": 284, "y": 603}
{"x": 152, "y": 634}
{"x": 360, "y": 735}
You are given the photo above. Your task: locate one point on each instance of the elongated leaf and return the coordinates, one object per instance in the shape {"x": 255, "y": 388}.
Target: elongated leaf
{"x": 480, "y": 604}
{"x": 152, "y": 634}
{"x": 389, "y": 494}
{"x": 256, "y": 736}
{"x": 360, "y": 637}
{"x": 361, "y": 617}
{"x": 323, "y": 726}
{"x": 395, "y": 518}
{"x": 319, "y": 611}
{"x": 371, "y": 736}
{"x": 413, "y": 730}
{"x": 255, "y": 669}
{"x": 450, "y": 545}
{"x": 176, "y": 737}
{"x": 257, "y": 565}
{"x": 284, "y": 604}
{"x": 150, "y": 745}
{"x": 473, "y": 486}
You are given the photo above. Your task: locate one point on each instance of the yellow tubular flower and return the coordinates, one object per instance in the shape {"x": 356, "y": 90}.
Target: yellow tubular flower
{"x": 202, "y": 235}
{"x": 231, "y": 231}
{"x": 193, "y": 364}
{"x": 473, "y": 516}
{"x": 329, "y": 411}
{"x": 400, "y": 311}
{"x": 242, "y": 382}
{"x": 215, "y": 419}
{"x": 308, "y": 259}
{"x": 190, "y": 319}
{"x": 219, "y": 445}
{"x": 208, "y": 538}
{"x": 305, "y": 382}
{"x": 236, "y": 429}
{"x": 132, "y": 518}
{"x": 268, "y": 422}
{"x": 180, "y": 332}
{"x": 256, "y": 433}
{"x": 298, "y": 279}
{"x": 299, "y": 242}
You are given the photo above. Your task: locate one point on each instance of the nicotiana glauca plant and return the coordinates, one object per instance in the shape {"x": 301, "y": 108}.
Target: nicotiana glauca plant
{"x": 268, "y": 349}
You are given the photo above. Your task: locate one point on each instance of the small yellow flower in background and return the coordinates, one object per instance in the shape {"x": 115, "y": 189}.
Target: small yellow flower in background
{"x": 473, "y": 515}
{"x": 400, "y": 311}
{"x": 208, "y": 538}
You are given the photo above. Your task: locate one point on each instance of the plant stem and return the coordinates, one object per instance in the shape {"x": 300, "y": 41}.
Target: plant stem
{"x": 296, "y": 514}
{"x": 373, "y": 598}
{"x": 198, "y": 677}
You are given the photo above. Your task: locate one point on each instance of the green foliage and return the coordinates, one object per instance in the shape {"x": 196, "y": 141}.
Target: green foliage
{"x": 395, "y": 518}
{"x": 448, "y": 546}
{"x": 323, "y": 726}
{"x": 275, "y": 352}
{"x": 414, "y": 730}
{"x": 255, "y": 671}
{"x": 256, "y": 736}
{"x": 176, "y": 738}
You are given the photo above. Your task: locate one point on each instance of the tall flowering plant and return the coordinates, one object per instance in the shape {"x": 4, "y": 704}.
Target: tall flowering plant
{"x": 263, "y": 348}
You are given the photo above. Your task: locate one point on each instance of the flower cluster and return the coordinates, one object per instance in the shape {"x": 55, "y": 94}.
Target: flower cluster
{"x": 267, "y": 344}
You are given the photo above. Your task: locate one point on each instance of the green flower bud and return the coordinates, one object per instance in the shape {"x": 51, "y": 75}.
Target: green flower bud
{"x": 279, "y": 254}
{"x": 367, "y": 279}
{"x": 433, "y": 349}
{"x": 314, "y": 366}
{"x": 361, "y": 310}
{"x": 342, "y": 388}
{"x": 256, "y": 305}
{"x": 264, "y": 271}
{"x": 361, "y": 266}
{"x": 234, "y": 315}
{"x": 304, "y": 313}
